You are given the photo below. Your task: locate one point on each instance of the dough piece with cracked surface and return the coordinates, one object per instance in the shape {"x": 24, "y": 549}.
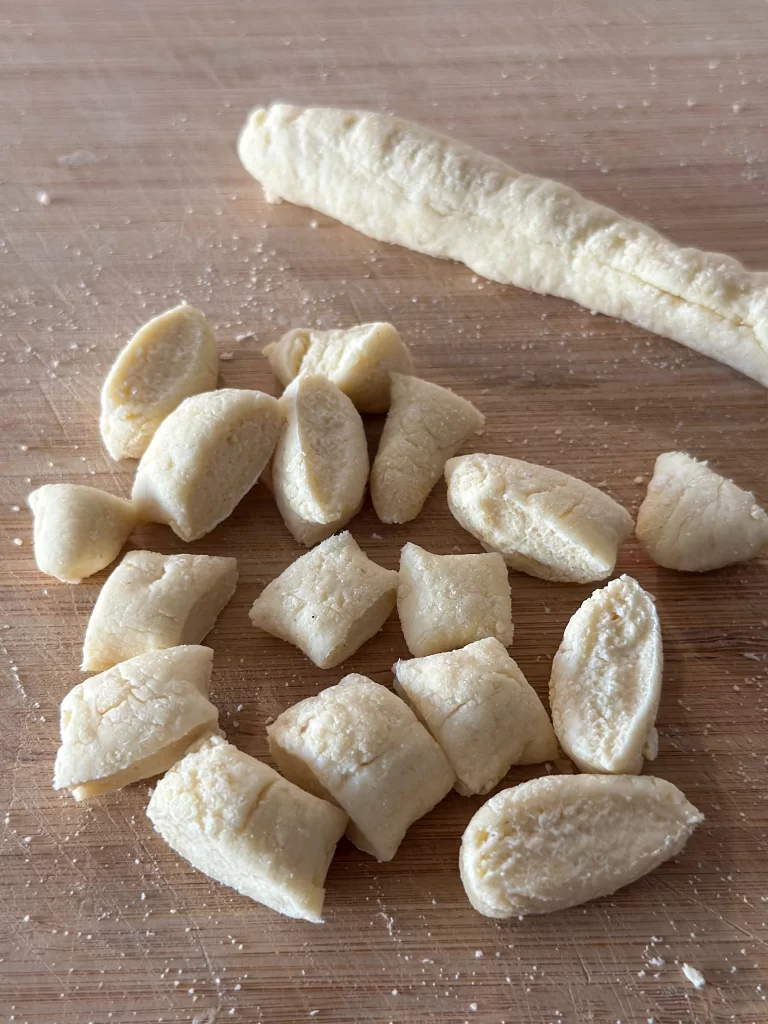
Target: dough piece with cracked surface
{"x": 544, "y": 522}
{"x": 482, "y": 711}
{"x": 154, "y": 601}
{"x": 402, "y": 183}
{"x": 357, "y": 359}
{"x": 694, "y": 520}
{"x": 559, "y": 841}
{"x": 204, "y": 458}
{"x": 449, "y": 601}
{"x": 235, "y": 819}
{"x": 425, "y": 426}
{"x": 606, "y": 680}
{"x": 134, "y": 721}
{"x": 328, "y": 602}
{"x": 170, "y": 358}
{"x": 360, "y": 746}
{"x": 320, "y": 466}
{"x": 78, "y": 530}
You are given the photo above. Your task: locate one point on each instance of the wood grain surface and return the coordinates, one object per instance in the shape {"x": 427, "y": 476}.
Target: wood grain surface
{"x": 124, "y": 115}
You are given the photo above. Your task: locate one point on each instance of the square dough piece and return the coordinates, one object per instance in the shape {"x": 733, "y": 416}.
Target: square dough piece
{"x": 449, "y": 601}
{"x": 238, "y": 821}
{"x": 328, "y": 602}
{"x": 482, "y": 711}
{"x": 359, "y": 745}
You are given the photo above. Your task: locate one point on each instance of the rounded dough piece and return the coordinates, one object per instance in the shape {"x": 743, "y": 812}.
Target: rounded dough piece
{"x": 559, "y": 841}
{"x": 204, "y": 458}
{"x": 320, "y": 466}
{"x": 134, "y": 720}
{"x": 170, "y": 358}
{"x": 78, "y": 530}
{"x": 358, "y": 360}
{"x": 694, "y": 520}
{"x": 606, "y": 680}
{"x": 426, "y": 425}
{"x": 545, "y": 523}
{"x": 360, "y": 746}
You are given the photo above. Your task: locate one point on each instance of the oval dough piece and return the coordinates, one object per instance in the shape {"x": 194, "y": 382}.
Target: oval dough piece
{"x": 235, "y": 819}
{"x": 448, "y": 601}
{"x": 167, "y": 360}
{"x": 545, "y": 523}
{"x": 425, "y": 426}
{"x": 559, "y": 841}
{"x": 154, "y": 601}
{"x": 78, "y": 530}
{"x": 358, "y": 360}
{"x": 606, "y": 680}
{"x": 360, "y": 746}
{"x": 204, "y": 458}
{"x": 328, "y": 602}
{"x": 695, "y": 520}
{"x": 134, "y": 720}
{"x": 320, "y": 466}
{"x": 482, "y": 711}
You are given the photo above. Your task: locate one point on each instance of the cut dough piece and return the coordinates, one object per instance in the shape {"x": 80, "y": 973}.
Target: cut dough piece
{"x": 235, "y": 819}
{"x": 134, "y": 720}
{"x": 153, "y": 601}
{"x": 328, "y": 602}
{"x": 559, "y": 841}
{"x": 543, "y": 522}
{"x": 170, "y": 358}
{"x": 78, "y": 530}
{"x": 482, "y": 711}
{"x": 204, "y": 458}
{"x": 426, "y": 425}
{"x": 448, "y": 601}
{"x": 606, "y": 680}
{"x": 401, "y": 183}
{"x": 320, "y": 466}
{"x": 360, "y": 746}
{"x": 694, "y": 520}
{"x": 357, "y": 360}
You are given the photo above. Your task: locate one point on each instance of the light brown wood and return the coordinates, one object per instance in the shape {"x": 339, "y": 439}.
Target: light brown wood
{"x": 126, "y": 114}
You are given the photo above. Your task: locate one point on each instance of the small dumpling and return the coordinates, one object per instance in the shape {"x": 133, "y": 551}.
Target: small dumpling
{"x": 545, "y": 523}
{"x": 694, "y": 520}
{"x": 78, "y": 530}
{"x": 204, "y": 458}
{"x": 606, "y": 680}
{"x": 358, "y": 360}
{"x": 425, "y": 426}
{"x": 167, "y": 360}
{"x": 320, "y": 466}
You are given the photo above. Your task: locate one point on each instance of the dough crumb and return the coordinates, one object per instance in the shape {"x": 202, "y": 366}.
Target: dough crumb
{"x": 694, "y": 975}
{"x": 43, "y": 197}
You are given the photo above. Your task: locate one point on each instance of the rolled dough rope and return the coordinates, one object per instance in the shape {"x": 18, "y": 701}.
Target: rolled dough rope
{"x": 401, "y": 183}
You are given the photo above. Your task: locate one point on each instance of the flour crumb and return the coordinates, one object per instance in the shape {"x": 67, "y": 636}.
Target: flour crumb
{"x": 43, "y": 197}
{"x": 694, "y": 975}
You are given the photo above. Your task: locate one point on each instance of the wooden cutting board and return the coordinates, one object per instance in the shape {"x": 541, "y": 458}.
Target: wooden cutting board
{"x": 122, "y": 194}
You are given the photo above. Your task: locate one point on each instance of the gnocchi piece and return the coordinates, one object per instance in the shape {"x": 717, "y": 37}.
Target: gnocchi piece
{"x": 170, "y": 358}
{"x": 545, "y": 523}
{"x": 235, "y": 819}
{"x": 204, "y": 458}
{"x": 320, "y": 466}
{"x": 606, "y": 680}
{"x": 559, "y": 841}
{"x": 134, "y": 720}
{"x": 425, "y": 426}
{"x": 153, "y": 601}
{"x": 78, "y": 530}
{"x": 328, "y": 602}
{"x": 482, "y": 711}
{"x": 448, "y": 601}
{"x": 360, "y": 746}
{"x": 694, "y": 520}
{"x": 357, "y": 360}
